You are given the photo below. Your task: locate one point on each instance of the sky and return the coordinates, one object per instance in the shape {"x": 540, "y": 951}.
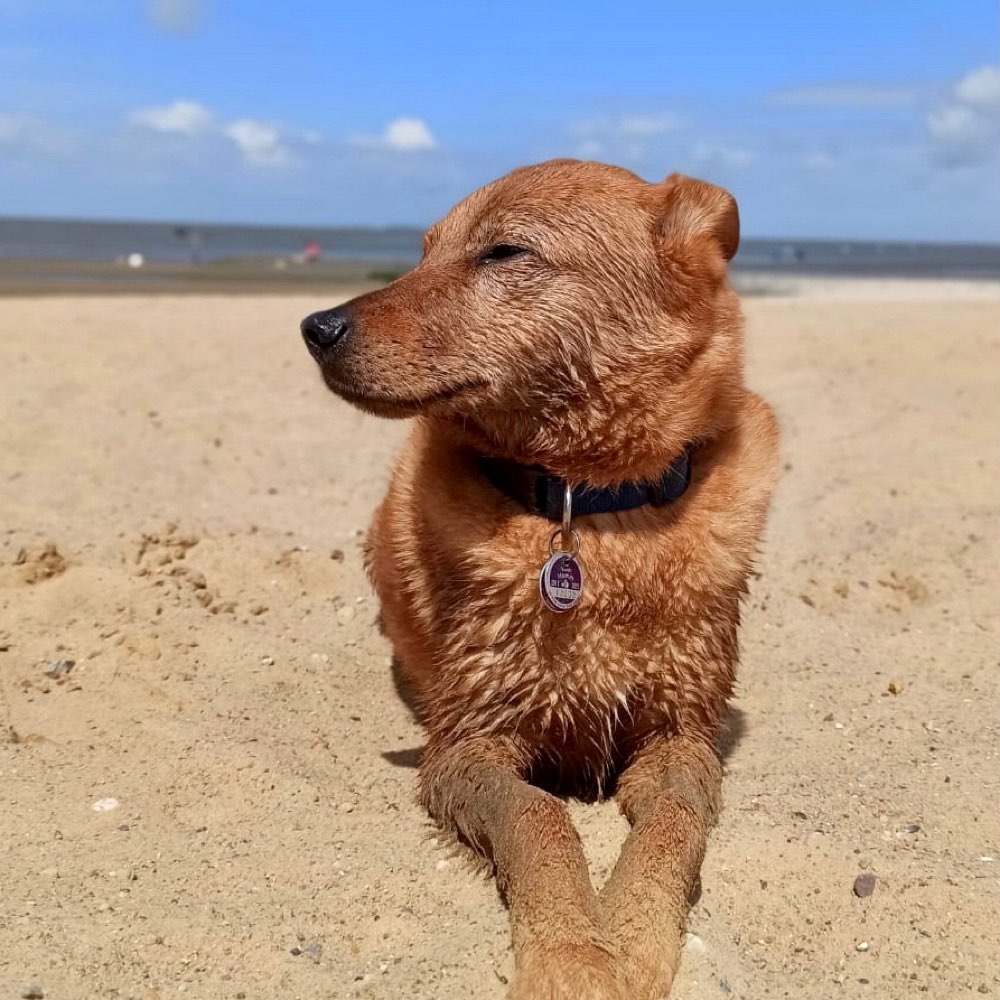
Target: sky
{"x": 869, "y": 120}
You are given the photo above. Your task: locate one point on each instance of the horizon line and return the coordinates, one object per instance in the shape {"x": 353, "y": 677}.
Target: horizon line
{"x": 417, "y": 228}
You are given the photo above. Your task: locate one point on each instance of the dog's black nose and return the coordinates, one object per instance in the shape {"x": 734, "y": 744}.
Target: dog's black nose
{"x": 326, "y": 329}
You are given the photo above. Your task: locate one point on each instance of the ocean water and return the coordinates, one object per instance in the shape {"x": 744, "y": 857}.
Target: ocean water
{"x": 75, "y": 240}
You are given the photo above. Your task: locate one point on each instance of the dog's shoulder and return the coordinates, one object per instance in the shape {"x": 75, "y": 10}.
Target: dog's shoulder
{"x": 757, "y": 438}
{"x": 719, "y": 523}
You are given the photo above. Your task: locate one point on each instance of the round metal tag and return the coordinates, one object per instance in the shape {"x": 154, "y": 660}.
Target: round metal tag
{"x": 561, "y": 582}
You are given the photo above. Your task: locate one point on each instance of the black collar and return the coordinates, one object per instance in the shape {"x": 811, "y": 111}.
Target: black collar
{"x": 539, "y": 492}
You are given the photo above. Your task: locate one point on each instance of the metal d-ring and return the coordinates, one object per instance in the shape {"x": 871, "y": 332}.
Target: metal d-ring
{"x": 565, "y": 532}
{"x": 574, "y": 539}
{"x": 567, "y": 513}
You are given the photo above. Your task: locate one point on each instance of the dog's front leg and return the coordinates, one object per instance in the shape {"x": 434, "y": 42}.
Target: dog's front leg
{"x": 670, "y": 795}
{"x": 476, "y": 789}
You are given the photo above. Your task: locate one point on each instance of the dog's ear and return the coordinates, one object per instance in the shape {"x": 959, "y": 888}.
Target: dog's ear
{"x": 691, "y": 208}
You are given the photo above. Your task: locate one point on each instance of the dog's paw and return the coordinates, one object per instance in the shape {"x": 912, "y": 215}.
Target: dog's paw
{"x": 568, "y": 972}
{"x": 649, "y": 980}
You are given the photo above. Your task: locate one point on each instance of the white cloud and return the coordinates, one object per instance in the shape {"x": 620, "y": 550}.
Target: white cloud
{"x": 818, "y": 160}
{"x": 590, "y": 149}
{"x": 259, "y": 143}
{"x": 400, "y": 135}
{"x": 626, "y": 126}
{"x": 731, "y": 157}
{"x": 642, "y": 126}
{"x": 408, "y": 133}
{"x": 849, "y": 95}
{"x": 620, "y": 137}
{"x": 25, "y": 134}
{"x": 980, "y": 88}
{"x": 175, "y": 17}
{"x": 180, "y": 118}
{"x": 960, "y": 136}
{"x": 963, "y": 128}
{"x": 961, "y": 121}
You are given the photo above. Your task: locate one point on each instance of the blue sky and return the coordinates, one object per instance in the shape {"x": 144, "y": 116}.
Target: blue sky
{"x": 846, "y": 119}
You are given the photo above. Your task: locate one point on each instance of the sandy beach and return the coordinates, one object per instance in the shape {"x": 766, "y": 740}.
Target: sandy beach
{"x": 216, "y": 799}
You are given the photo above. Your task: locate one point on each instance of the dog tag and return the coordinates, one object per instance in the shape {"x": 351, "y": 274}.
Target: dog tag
{"x": 561, "y": 581}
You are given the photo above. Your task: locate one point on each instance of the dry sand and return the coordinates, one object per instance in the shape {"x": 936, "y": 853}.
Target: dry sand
{"x": 205, "y": 497}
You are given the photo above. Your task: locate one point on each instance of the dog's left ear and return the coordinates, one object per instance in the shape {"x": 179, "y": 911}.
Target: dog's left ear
{"x": 691, "y": 208}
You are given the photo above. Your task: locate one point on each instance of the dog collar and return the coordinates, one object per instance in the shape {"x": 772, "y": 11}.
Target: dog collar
{"x": 544, "y": 494}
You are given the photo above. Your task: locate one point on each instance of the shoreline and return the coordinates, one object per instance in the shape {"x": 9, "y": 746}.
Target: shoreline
{"x": 23, "y": 278}
{"x": 242, "y": 276}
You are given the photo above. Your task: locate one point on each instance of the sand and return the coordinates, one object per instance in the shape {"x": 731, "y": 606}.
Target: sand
{"x": 232, "y": 717}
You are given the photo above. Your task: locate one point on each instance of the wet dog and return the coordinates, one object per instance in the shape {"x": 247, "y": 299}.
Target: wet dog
{"x": 566, "y": 539}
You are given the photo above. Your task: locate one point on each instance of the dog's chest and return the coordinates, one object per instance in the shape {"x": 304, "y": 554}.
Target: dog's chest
{"x": 631, "y": 654}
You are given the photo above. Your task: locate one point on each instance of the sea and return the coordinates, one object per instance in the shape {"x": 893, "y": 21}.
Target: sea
{"x": 33, "y": 239}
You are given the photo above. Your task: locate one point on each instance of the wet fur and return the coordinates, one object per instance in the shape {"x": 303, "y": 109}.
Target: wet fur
{"x": 601, "y": 355}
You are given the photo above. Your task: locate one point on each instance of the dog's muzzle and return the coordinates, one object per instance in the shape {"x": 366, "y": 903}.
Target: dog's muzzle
{"x": 325, "y": 332}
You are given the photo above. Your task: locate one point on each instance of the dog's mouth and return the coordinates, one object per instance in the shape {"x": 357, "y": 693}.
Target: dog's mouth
{"x": 382, "y": 405}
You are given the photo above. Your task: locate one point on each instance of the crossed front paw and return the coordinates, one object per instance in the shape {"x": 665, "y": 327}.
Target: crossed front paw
{"x": 568, "y": 971}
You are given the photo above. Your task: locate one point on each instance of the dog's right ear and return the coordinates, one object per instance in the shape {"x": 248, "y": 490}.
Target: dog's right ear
{"x": 690, "y": 208}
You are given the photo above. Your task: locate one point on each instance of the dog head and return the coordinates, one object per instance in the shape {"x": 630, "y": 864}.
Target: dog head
{"x": 569, "y": 314}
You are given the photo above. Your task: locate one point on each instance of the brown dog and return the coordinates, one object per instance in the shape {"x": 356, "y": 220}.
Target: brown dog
{"x": 568, "y": 324}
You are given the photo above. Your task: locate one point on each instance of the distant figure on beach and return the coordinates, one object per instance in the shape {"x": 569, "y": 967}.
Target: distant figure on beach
{"x": 311, "y": 252}
{"x": 192, "y": 237}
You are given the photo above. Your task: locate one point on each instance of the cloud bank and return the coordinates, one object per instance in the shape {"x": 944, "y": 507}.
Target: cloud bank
{"x": 845, "y": 94}
{"x": 259, "y": 143}
{"x": 180, "y": 118}
{"x": 175, "y": 17}
{"x": 911, "y": 160}
{"x": 964, "y": 128}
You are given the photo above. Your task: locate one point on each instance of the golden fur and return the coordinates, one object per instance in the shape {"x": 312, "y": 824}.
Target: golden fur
{"x": 604, "y": 349}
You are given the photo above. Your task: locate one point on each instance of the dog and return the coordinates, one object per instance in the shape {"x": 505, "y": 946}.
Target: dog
{"x": 565, "y": 541}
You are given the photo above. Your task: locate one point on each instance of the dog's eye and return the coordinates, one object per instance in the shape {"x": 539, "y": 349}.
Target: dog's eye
{"x": 502, "y": 251}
